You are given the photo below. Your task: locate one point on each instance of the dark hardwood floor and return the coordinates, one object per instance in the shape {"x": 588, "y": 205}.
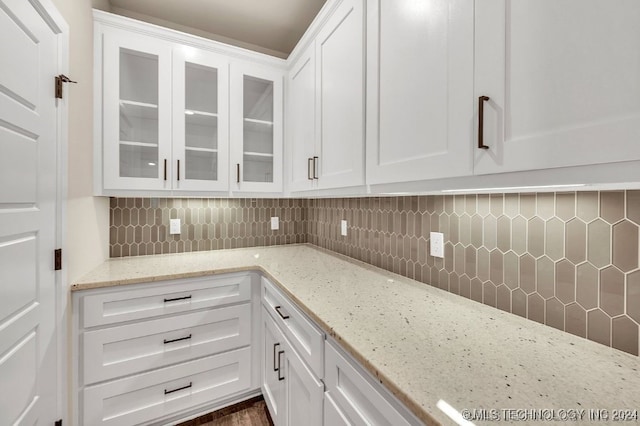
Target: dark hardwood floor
{"x": 252, "y": 412}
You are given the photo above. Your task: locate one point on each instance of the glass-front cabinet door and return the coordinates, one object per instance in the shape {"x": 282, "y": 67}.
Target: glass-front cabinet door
{"x": 200, "y": 120}
{"x": 256, "y": 111}
{"x": 137, "y": 113}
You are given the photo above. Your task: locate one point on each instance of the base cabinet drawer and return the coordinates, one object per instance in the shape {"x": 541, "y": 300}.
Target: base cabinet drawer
{"x": 145, "y": 397}
{"x": 358, "y": 400}
{"x": 128, "y": 349}
{"x": 170, "y": 297}
{"x": 306, "y": 338}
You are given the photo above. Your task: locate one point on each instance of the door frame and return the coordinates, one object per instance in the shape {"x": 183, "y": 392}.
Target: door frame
{"x": 59, "y": 26}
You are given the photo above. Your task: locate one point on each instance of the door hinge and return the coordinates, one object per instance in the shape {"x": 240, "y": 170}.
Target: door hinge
{"x": 58, "y": 423}
{"x": 59, "y": 80}
{"x": 57, "y": 259}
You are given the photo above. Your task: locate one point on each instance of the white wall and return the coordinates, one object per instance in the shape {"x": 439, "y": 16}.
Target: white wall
{"x": 87, "y": 239}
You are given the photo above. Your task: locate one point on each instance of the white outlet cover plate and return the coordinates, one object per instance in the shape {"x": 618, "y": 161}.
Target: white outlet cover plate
{"x": 275, "y": 223}
{"x": 174, "y": 226}
{"x": 437, "y": 244}
{"x": 343, "y": 228}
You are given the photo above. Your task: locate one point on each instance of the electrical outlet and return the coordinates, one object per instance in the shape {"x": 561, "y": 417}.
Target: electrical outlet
{"x": 437, "y": 244}
{"x": 174, "y": 226}
{"x": 343, "y": 228}
{"x": 275, "y": 223}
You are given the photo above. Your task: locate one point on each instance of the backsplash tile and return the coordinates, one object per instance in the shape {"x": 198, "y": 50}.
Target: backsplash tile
{"x": 567, "y": 260}
{"x": 139, "y": 226}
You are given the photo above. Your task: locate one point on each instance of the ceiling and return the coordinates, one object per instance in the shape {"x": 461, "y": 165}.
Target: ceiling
{"x": 270, "y": 26}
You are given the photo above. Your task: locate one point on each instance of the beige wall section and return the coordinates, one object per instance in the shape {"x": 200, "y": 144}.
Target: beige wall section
{"x": 87, "y": 239}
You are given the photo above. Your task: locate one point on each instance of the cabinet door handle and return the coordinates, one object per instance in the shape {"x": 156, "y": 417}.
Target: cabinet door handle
{"x": 167, "y": 392}
{"x": 178, "y": 170}
{"x": 481, "y": 101}
{"x": 280, "y": 365}
{"x": 315, "y": 167}
{"x": 275, "y": 345}
{"x": 177, "y": 340}
{"x": 165, "y": 169}
{"x": 238, "y": 172}
{"x": 277, "y": 308}
{"x": 309, "y": 167}
{"x": 175, "y": 299}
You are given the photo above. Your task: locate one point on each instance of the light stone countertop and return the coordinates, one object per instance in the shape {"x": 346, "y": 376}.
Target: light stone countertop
{"x": 423, "y": 343}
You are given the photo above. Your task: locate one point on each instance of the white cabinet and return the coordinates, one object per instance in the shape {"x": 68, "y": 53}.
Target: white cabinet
{"x": 293, "y": 394}
{"x": 169, "y": 106}
{"x": 200, "y": 120}
{"x": 419, "y": 90}
{"x": 160, "y": 352}
{"x": 137, "y": 112}
{"x": 301, "y": 125}
{"x": 292, "y": 362}
{"x": 326, "y": 104}
{"x": 563, "y": 81}
{"x": 256, "y": 128}
{"x": 166, "y": 120}
{"x": 356, "y": 399}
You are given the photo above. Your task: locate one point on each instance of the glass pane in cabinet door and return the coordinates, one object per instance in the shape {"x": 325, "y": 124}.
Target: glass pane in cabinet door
{"x": 138, "y": 114}
{"x": 201, "y": 122}
{"x": 258, "y": 130}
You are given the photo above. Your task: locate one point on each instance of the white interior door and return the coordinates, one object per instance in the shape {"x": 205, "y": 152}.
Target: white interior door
{"x": 563, "y": 78}
{"x": 28, "y": 145}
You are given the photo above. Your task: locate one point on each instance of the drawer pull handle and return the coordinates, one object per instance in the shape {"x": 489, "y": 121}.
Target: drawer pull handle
{"x": 177, "y": 340}
{"x": 167, "y": 392}
{"x": 175, "y": 299}
{"x": 280, "y": 365}
{"x": 277, "y": 308}
{"x": 275, "y": 345}
{"x": 481, "y": 101}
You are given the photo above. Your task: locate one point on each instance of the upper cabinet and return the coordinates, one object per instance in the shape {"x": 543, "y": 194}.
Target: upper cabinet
{"x": 169, "y": 108}
{"x": 326, "y": 88}
{"x": 137, "y": 112}
{"x": 200, "y": 120}
{"x": 563, "y": 82}
{"x": 256, "y": 128}
{"x": 420, "y": 90}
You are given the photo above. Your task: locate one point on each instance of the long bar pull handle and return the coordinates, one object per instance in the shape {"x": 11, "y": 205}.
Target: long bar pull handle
{"x": 275, "y": 345}
{"x": 277, "y": 308}
{"x": 280, "y": 365}
{"x": 167, "y": 392}
{"x": 177, "y": 340}
{"x": 481, "y": 101}
{"x": 178, "y": 170}
{"x": 238, "y": 172}
{"x": 175, "y": 299}
{"x": 165, "y": 169}
{"x": 309, "y": 168}
{"x": 315, "y": 167}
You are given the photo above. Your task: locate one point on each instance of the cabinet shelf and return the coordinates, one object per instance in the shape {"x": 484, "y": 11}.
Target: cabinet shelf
{"x": 199, "y": 118}
{"x": 138, "y": 110}
{"x": 196, "y": 149}
{"x": 134, "y": 143}
{"x": 262, "y": 122}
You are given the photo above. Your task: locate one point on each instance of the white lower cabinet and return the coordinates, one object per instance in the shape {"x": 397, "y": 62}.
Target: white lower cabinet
{"x": 165, "y": 392}
{"x": 294, "y": 395}
{"x": 161, "y": 353}
{"x": 332, "y": 414}
{"x": 157, "y": 353}
{"x": 356, "y": 399}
